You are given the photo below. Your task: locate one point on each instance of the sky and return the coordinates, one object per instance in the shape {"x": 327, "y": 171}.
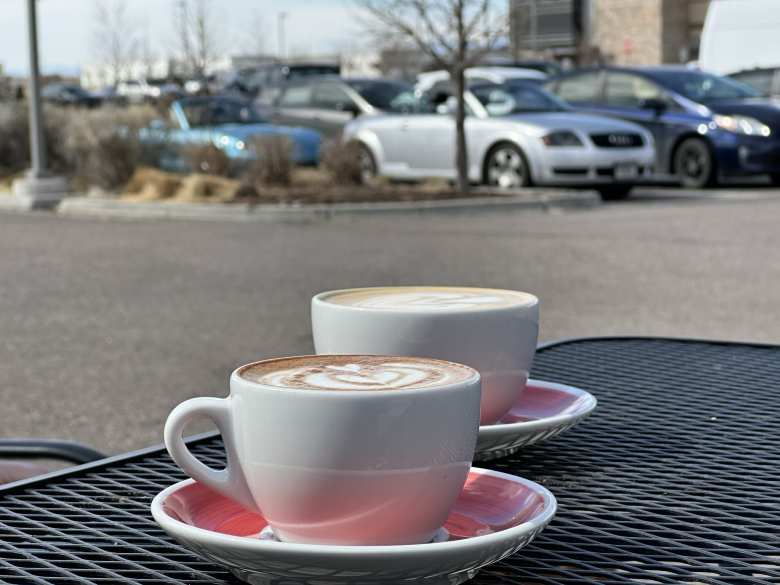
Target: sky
{"x": 65, "y": 29}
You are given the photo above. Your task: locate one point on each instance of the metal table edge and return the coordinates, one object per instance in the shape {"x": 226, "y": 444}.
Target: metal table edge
{"x": 99, "y": 464}
{"x": 140, "y": 453}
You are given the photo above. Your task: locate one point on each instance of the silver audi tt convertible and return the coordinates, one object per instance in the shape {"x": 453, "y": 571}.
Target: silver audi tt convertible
{"x": 517, "y": 134}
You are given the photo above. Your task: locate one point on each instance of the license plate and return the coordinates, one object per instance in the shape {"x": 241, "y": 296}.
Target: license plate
{"x": 626, "y": 171}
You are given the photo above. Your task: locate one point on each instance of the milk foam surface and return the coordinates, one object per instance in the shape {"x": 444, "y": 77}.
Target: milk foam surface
{"x": 430, "y": 299}
{"x": 356, "y": 373}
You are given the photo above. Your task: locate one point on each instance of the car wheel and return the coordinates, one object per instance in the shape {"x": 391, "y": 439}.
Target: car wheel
{"x": 693, "y": 164}
{"x": 615, "y": 192}
{"x": 368, "y": 168}
{"x": 506, "y": 167}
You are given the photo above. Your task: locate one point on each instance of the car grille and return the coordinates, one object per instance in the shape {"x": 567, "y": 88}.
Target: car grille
{"x": 617, "y": 140}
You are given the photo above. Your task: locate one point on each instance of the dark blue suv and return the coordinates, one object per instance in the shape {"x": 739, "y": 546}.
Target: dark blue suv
{"x": 706, "y": 127}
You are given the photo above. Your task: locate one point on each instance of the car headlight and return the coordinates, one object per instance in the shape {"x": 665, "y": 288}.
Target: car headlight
{"x": 742, "y": 125}
{"x": 562, "y": 138}
{"x": 240, "y": 144}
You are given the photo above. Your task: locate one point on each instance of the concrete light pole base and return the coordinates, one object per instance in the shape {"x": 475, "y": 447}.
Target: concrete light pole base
{"x": 40, "y": 192}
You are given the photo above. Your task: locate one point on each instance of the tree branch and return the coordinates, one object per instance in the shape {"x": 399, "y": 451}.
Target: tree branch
{"x": 391, "y": 15}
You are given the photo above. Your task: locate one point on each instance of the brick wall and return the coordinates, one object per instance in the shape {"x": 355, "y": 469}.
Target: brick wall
{"x": 629, "y": 32}
{"x": 648, "y": 32}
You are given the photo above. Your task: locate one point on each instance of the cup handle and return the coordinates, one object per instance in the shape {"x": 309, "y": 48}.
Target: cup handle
{"x": 230, "y": 481}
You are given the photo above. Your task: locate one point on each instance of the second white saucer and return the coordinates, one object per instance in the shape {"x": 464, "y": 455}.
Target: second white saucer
{"x": 543, "y": 410}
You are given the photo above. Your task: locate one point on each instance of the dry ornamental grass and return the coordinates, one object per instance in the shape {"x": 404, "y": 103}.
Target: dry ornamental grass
{"x": 273, "y": 165}
{"x": 342, "y": 161}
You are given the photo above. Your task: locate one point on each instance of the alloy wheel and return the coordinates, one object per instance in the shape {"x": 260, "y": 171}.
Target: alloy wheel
{"x": 693, "y": 163}
{"x": 506, "y": 168}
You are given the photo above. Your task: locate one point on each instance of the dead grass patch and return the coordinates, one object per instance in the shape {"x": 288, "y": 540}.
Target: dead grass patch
{"x": 308, "y": 186}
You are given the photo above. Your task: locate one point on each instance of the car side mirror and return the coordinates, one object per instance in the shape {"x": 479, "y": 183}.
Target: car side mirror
{"x": 350, "y": 108}
{"x": 451, "y": 105}
{"x": 658, "y": 106}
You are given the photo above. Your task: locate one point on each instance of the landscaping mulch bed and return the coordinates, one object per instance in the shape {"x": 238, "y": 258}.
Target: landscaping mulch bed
{"x": 308, "y": 186}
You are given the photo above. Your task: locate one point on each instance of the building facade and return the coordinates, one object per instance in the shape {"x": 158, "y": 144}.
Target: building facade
{"x": 548, "y": 28}
{"x": 623, "y": 32}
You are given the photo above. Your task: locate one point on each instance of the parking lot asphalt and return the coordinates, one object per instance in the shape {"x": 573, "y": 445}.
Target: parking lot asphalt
{"x": 106, "y": 325}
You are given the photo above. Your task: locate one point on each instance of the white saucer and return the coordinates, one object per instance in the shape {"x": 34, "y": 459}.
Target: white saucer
{"x": 543, "y": 410}
{"x": 495, "y": 515}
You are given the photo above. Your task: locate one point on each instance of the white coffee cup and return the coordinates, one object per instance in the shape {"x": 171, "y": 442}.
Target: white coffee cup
{"x": 377, "y": 466}
{"x": 493, "y": 331}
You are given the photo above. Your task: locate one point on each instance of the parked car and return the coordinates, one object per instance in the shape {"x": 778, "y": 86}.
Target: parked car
{"x": 109, "y": 96}
{"x": 250, "y": 81}
{"x": 69, "y": 95}
{"x": 132, "y": 91}
{"x": 706, "y": 127}
{"x": 228, "y": 123}
{"x": 517, "y": 135}
{"x": 328, "y": 103}
{"x": 136, "y": 91}
{"x": 428, "y": 81}
{"x": 157, "y": 89}
{"x": 765, "y": 81}
{"x": 549, "y": 68}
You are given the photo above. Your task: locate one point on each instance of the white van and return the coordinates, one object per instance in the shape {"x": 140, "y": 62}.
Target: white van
{"x": 740, "y": 35}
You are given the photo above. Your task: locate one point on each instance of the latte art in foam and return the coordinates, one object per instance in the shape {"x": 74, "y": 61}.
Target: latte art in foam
{"x": 429, "y": 298}
{"x": 356, "y": 373}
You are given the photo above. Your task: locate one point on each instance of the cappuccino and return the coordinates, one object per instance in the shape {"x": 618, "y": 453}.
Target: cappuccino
{"x": 491, "y": 330}
{"x": 328, "y": 455}
{"x": 349, "y": 373}
{"x": 429, "y": 298}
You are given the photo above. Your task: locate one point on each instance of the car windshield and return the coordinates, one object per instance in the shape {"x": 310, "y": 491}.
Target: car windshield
{"x": 75, "y": 90}
{"x": 504, "y": 100}
{"x": 704, "y": 87}
{"x": 298, "y": 71}
{"x": 216, "y": 112}
{"x": 386, "y": 95}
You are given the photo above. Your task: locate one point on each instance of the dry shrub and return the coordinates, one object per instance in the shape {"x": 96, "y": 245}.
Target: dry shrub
{"x": 311, "y": 177}
{"x": 152, "y": 184}
{"x": 246, "y": 192}
{"x": 342, "y": 161}
{"x": 102, "y": 145}
{"x": 197, "y": 187}
{"x": 15, "y": 139}
{"x": 155, "y": 185}
{"x": 273, "y": 165}
{"x": 208, "y": 159}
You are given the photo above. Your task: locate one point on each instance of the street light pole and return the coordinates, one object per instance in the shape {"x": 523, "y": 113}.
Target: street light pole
{"x": 37, "y": 143}
{"x": 38, "y": 188}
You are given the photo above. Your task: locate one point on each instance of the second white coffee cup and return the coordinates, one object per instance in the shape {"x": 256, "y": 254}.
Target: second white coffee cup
{"x": 493, "y": 331}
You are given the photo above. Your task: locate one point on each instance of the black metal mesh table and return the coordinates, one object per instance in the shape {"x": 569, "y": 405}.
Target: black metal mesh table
{"x": 674, "y": 479}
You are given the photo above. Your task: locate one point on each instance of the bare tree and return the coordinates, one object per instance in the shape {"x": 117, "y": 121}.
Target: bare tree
{"x": 115, "y": 36}
{"x": 455, "y": 34}
{"x": 256, "y": 34}
{"x": 197, "y": 29}
{"x": 147, "y": 53}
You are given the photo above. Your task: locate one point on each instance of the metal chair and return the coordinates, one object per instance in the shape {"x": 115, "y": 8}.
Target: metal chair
{"x": 16, "y": 470}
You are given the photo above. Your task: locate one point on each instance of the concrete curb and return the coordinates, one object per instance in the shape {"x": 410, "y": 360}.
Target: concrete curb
{"x": 20, "y": 203}
{"x": 541, "y": 199}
